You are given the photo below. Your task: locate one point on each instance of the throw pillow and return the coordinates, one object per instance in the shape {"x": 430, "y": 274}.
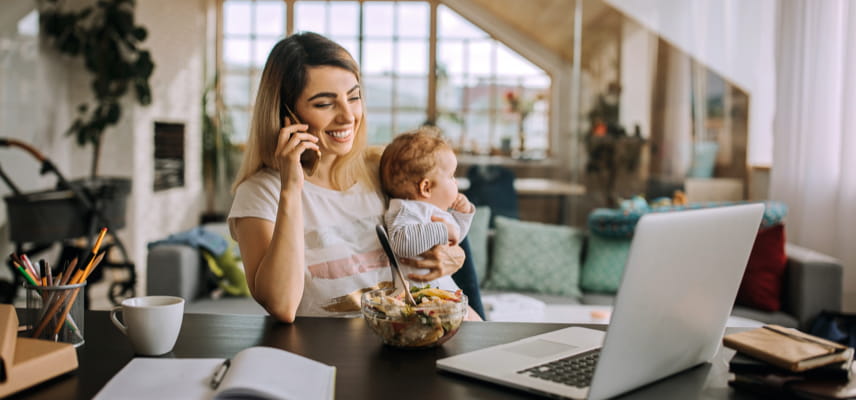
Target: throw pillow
{"x": 535, "y": 257}
{"x": 604, "y": 263}
{"x": 478, "y": 236}
{"x": 761, "y": 287}
{"x": 228, "y": 270}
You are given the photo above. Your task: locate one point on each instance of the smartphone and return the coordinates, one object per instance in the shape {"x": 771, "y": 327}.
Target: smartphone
{"x": 308, "y": 159}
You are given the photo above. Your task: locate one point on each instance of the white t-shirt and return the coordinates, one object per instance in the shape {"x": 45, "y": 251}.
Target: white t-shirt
{"x": 343, "y": 255}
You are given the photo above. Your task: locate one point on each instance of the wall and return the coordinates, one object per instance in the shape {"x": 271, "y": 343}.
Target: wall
{"x": 731, "y": 37}
{"x": 39, "y": 90}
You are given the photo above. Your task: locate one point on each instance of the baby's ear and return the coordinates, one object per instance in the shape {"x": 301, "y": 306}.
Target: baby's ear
{"x": 425, "y": 188}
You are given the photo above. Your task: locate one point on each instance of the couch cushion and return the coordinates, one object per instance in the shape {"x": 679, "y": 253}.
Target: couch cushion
{"x": 622, "y": 222}
{"x": 535, "y": 257}
{"x": 604, "y": 263}
{"x": 761, "y": 286}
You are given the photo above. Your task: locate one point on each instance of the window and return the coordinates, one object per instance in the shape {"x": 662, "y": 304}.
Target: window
{"x": 391, "y": 40}
{"x": 250, "y": 29}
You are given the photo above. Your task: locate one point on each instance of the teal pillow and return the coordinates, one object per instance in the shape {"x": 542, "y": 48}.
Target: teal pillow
{"x": 478, "y": 236}
{"x": 535, "y": 257}
{"x": 604, "y": 263}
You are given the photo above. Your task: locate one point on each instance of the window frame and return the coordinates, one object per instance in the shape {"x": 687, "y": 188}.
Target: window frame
{"x": 431, "y": 108}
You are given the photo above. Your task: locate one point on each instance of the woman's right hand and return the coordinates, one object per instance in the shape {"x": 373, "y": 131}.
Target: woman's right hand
{"x": 293, "y": 140}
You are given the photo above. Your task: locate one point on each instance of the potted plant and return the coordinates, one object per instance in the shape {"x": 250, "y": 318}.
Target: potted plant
{"x": 105, "y": 35}
{"x": 218, "y": 152}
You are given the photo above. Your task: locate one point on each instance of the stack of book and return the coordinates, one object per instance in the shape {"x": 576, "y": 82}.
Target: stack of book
{"x": 778, "y": 362}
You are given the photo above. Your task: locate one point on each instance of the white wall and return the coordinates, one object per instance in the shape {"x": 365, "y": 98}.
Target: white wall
{"x": 39, "y": 90}
{"x": 733, "y": 38}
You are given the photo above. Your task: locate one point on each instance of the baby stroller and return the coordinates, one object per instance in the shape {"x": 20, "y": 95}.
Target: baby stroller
{"x": 72, "y": 210}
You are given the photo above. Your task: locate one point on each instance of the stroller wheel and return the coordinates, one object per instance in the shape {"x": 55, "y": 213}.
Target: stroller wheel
{"x": 120, "y": 291}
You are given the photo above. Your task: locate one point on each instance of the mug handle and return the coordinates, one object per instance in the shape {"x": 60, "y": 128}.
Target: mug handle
{"x": 116, "y": 322}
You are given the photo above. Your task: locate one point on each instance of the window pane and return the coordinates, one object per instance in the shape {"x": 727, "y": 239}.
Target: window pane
{"x": 236, "y": 89}
{"x": 478, "y": 129}
{"x": 377, "y": 58}
{"x": 378, "y": 92}
{"x": 451, "y": 25}
{"x": 379, "y": 127}
{"x": 413, "y": 57}
{"x": 349, "y": 43}
{"x": 270, "y": 18}
{"x": 236, "y": 17}
{"x": 377, "y": 20}
{"x": 309, "y": 16}
{"x": 345, "y": 19}
{"x": 236, "y": 52}
{"x": 450, "y": 93}
{"x": 255, "y": 79}
{"x": 451, "y": 124}
{"x": 413, "y": 20}
{"x": 510, "y": 63}
{"x": 479, "y": 57}
{"x": 450, "y": 56}
{"x": 412, "y": 92}
{"x": 478, "y": 96}
{"x": 240, "y": 124}
{"x": 261, "y": 50}
{"x": 408, "y": 120}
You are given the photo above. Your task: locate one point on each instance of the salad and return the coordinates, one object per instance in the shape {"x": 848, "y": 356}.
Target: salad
{"x": 435, "y": 318}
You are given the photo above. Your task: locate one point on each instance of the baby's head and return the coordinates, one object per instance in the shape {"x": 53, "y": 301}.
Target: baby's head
{"x": 419, "y": 165}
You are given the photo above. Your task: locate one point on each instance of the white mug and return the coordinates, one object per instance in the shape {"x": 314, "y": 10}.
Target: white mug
{"x": 151, "y": 322}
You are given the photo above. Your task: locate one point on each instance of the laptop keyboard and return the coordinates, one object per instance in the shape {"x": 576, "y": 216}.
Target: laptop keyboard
{"x": 575, "y": 370}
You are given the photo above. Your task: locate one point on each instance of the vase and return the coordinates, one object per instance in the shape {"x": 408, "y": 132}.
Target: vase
{"x": 521, "y": 134}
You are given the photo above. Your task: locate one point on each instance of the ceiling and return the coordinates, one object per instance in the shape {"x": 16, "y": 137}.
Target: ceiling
{"x": 550, "y": 22}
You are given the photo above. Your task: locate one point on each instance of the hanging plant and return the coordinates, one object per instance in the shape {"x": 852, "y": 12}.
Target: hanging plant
{"x": 107, "y": 38}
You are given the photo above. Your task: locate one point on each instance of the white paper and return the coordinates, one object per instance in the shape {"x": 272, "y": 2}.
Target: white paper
{"x": 256, "y": 372}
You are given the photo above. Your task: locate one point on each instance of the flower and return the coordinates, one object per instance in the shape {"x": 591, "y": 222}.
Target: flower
{"x": 521, "y": 106}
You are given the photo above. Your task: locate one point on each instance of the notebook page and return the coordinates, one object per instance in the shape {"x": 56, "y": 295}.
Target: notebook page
{"x": 162, "y": 378}
{"x": 270, "y": 373}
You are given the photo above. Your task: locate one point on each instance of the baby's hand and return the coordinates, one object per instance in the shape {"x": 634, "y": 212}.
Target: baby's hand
{"x": 462, "y": 204}
{"x": 452, "y": 229}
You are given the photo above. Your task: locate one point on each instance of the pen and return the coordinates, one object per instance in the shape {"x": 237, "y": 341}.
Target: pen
{"x": 220, "y": 373}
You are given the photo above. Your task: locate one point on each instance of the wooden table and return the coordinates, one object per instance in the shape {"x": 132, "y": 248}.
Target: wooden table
{"x": 365, "y": 368}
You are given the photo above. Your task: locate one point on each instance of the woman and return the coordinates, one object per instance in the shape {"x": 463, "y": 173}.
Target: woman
{"x": 307, "y": 241}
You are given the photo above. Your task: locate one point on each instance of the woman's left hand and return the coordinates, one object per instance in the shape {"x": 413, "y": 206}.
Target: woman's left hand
{"x": 441, "y": 260}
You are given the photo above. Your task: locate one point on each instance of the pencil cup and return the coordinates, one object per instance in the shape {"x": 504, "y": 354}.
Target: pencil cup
{"x": 55, "y": 313}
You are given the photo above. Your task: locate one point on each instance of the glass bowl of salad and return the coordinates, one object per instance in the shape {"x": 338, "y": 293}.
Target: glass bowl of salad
{"x": 434, "y": 319}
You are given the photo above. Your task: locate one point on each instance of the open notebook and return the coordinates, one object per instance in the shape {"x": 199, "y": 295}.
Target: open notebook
{"x": 254, "y": 373}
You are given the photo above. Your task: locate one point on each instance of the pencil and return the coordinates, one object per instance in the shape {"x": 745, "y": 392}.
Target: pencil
{"x": 43, "y": 273}
{"x": 26, "y": 274}
{"x": 50, "y": 273}
{"x": 76, "y": 291}
{"x": 69, "y": 269}
{"x": 26, "y": 261}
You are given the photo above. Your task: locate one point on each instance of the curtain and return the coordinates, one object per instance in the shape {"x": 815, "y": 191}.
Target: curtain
{"x": 814, "y": 142}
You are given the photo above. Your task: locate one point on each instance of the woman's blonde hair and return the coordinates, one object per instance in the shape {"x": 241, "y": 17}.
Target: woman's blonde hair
{"x": 283, "y": 79}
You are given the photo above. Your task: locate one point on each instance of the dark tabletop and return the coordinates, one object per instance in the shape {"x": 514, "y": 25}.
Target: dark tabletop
{"x": 365, "y": 369}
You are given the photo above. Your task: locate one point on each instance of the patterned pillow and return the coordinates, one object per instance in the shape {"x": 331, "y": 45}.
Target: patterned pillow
{"x": 604, "y": 263}
{"x": 535, "y": 257}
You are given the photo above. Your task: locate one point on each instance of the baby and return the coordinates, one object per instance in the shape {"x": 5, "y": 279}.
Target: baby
{"x": 425, "y": 209}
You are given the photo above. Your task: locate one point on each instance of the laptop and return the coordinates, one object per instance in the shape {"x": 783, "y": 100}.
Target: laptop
{"x": 679, "y": 284}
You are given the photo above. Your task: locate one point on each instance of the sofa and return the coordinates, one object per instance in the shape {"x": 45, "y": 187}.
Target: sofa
{"x": 811, "y": 282}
